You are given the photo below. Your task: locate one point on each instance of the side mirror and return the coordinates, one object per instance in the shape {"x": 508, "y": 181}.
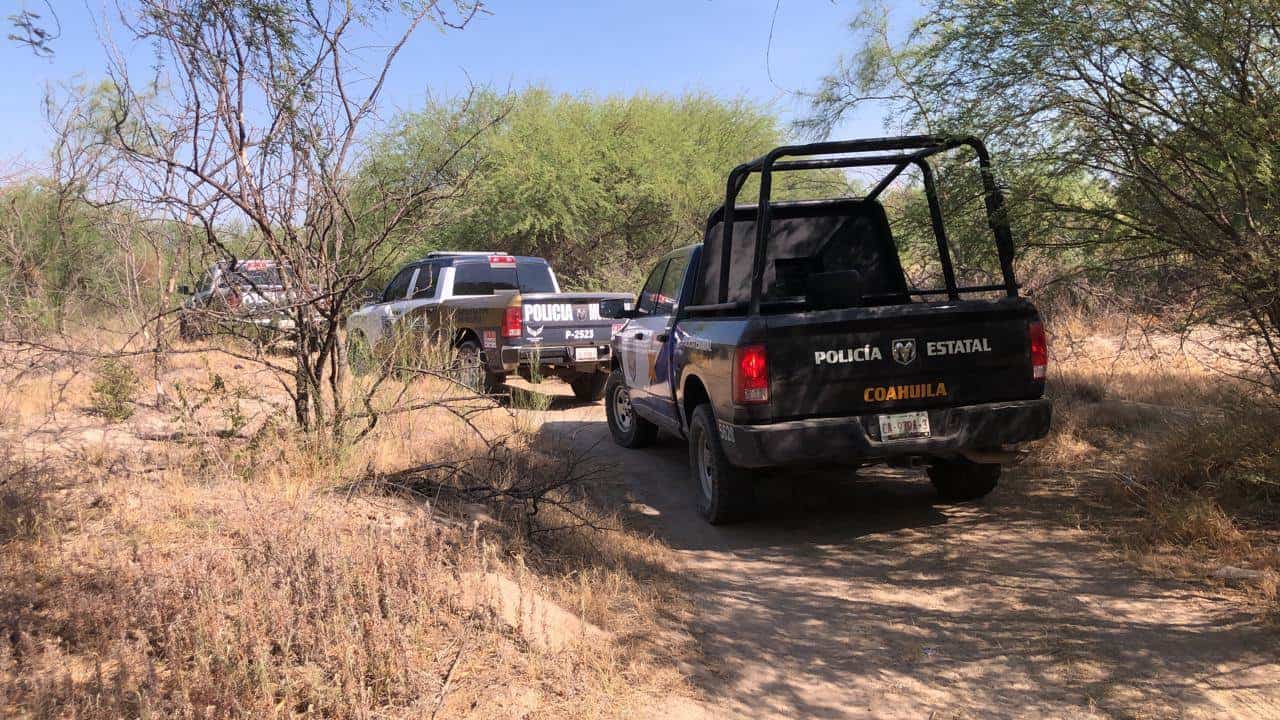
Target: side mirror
{"x": 367, "y": 296}
{"x": 617, "y": 309}
{"x": 184, "y": 289}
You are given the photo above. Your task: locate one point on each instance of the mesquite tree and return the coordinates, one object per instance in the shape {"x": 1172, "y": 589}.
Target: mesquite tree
{"x": 1142, "y": 135}
{"x": 250, "y": 129}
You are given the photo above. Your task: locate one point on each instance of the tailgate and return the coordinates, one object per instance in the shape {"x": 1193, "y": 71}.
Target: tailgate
{"x": 853, "y": 362}
{"x": 567, "y": 318}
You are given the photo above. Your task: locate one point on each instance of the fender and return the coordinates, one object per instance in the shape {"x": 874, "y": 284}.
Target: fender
{"x": 682, "y": 394}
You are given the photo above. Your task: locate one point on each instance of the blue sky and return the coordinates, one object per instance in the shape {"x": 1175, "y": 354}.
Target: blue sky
{"x": 671, "y": 46}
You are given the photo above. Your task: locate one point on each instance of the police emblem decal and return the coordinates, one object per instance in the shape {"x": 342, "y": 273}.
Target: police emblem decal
{"x": 904, "y": 351}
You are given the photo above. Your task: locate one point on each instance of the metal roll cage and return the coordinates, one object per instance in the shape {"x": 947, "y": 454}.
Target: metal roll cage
{"x": 923, "y": 147}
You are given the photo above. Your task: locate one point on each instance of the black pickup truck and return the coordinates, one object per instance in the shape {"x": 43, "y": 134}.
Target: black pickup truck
{"x": 790, "y": 335}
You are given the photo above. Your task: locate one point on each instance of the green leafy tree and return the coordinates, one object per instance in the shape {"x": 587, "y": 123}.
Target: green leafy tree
{"x": 1139, "y": 138}
{"x": 598, "y": 186}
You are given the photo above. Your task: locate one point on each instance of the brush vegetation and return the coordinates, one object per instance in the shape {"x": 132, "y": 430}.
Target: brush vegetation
{"x": 175, "y": 567}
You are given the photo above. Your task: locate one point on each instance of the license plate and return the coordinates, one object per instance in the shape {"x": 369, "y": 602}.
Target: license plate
{"x": 585, "y": 354}
{"x": 904, "y": 425}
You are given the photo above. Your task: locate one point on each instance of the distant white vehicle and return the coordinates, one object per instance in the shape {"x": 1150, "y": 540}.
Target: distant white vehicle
{"x": 247, "y": 296}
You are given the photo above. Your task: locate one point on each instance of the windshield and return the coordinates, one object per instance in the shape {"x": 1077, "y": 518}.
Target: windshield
{"x": 535, "y": 277}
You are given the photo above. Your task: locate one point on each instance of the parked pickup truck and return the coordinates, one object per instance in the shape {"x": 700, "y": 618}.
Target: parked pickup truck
{"x": 506, "y": 315}
{"x": 790, "y": 335}
{"x": 245, "y": 297}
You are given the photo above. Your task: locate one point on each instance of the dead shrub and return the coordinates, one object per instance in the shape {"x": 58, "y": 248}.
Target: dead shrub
{"x": 1232, "y": 456}
{"x": 1154, "y": 426}
{"x": 24, "y": 501}
{"x": 1187, "y": 519}
{"x": 210, "y": 574}
{"x": 275, "y": 616}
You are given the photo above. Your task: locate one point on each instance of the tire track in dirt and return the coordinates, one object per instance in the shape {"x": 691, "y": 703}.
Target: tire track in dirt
{"x": 864, "y": 599}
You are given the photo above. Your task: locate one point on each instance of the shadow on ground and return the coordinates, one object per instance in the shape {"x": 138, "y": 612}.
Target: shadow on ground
{"x": 856, "y": 595}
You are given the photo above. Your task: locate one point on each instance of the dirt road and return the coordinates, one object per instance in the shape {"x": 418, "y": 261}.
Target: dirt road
{"x": 864, "y": 599}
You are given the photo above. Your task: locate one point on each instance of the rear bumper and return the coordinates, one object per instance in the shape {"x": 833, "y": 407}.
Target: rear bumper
{"x": 970, "y": 427}
{"x": 553, "y": 358}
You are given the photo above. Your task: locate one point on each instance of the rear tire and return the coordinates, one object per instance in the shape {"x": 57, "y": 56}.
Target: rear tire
{"x": 725, "y": 492}
{"x": 961, "y": 481}
{"x": 629, "y": 429}
{"x": 589, "y": 387}
{"x": 472, "y": 372}
{"x": 468, "y": 365}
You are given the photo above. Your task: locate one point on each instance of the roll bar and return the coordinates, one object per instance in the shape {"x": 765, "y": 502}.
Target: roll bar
{"x": 922, "y": 147}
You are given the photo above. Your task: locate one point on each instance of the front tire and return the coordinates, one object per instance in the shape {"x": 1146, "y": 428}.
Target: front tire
{"x": 725, "y": 492}
{"x": 359, "y": 353}
{"x": 962, "y": 481}
{"x": 187, "y": 329}
{"x": 629, "y": 429}
{"x": 589, "y": 387}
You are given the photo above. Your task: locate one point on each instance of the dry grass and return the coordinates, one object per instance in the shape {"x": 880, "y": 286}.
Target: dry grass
{"x": 202, "y": 560}
{"x": 1150, "y": 425}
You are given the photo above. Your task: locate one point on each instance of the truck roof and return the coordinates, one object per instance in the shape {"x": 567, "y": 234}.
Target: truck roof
{"x": 478, "y": 255}
{"x": 462, "y": 253}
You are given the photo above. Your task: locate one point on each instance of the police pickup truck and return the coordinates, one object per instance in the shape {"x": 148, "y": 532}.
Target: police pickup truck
{"x": 254, "y": 298}
{"x": 790, "y": 335}
{"x": 506, "y": 315}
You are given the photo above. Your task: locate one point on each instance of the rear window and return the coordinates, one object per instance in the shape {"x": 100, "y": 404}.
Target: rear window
{"x": 535, "y": 277}
{"x": 479, "y": 278}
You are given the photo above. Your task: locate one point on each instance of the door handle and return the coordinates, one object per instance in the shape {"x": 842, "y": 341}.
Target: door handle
{"x": 662, "y": 338}
{"x": 639, "y": 336}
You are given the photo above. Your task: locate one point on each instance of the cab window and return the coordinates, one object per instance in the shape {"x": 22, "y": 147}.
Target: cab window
{"x": 399, "y": 285}
{"x": 425, "y": 286}
{"x": 669, "y": 291}
{"x": 647, "y": 304}
{"x": 472, "y": 279}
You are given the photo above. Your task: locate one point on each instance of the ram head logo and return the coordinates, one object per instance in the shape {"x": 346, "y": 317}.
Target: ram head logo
{"x": 904, "y": 351}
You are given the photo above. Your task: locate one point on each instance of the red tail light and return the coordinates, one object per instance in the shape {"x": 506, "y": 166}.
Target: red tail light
{"x": 750, "y": 376}
{"x": 513, "y": 322}
{"x": 498, "y": 261}
{"x": 1039, "y": 349}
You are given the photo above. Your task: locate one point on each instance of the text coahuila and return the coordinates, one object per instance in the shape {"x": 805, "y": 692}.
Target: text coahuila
{"x": 904, "y": 392}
